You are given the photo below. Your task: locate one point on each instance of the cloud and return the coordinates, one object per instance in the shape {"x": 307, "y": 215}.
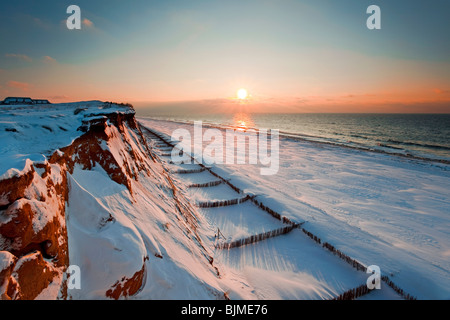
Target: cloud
{"x": 18, "y": 56}
{"x": 61, "y": 97}
{"x": 49, "y": 59}
{"x": 87, "y": 23}
{"x": 18, "y": 85}
{"x": 40, "y": 23}
{"x": 440, "y": 91}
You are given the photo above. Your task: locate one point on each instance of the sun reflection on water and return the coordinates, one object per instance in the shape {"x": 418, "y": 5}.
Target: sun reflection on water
{"x": 242, "y": 121}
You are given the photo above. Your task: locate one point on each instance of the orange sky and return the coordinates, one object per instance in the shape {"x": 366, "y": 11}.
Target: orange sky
{"x": 291, "y": 56}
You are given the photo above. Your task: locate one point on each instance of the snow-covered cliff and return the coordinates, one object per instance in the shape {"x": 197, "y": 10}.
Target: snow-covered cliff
{"x": 79, "y": 185}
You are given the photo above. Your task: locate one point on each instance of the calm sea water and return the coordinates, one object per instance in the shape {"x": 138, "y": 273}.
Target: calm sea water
{"x": 420, "y": 135}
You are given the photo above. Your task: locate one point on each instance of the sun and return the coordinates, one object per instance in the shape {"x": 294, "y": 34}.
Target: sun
{"x": 242, "y": 94}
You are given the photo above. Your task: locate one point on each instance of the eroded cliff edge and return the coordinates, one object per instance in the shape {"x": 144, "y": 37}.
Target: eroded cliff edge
{"x": 102, "y": 202}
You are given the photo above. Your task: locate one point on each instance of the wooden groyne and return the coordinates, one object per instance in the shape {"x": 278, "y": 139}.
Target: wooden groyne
{"x": 224, "y": 203}
{"x": 255, "y": 238}
{"x": 273, "y": 213}
{"x": 188, "y": 171}
{"x": 397, "y": 289}
{"x": 357, "y": 265}
{"x": 206, "y": 185}
{"x": 354, "y": 293}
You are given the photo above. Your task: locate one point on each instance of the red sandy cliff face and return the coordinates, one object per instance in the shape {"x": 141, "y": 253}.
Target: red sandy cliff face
{"x": 127, "y": 287}
{"x": 35, "y": 205}
{"x": 32, "y": 223}
{"x": 33, "y": 235}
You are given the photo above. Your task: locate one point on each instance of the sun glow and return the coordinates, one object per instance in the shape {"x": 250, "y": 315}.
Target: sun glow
{"x": 242, "y": 122}
{"x": 242, "y": 94}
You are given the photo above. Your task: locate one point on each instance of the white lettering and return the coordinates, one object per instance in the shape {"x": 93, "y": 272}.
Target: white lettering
{"x": 74, "y": 21}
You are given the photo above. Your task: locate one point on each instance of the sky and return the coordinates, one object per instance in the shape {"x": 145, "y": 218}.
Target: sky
{"x": 290, "y": 55}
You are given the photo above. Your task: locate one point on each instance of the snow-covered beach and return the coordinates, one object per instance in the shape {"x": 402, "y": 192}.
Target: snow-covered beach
{"x": 86, "y": 185}
{"x": 377, "y": 208}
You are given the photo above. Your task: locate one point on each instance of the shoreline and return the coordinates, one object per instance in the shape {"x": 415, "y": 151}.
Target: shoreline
{"x": 374, "y": 210}
{"x": 301, "y": 137}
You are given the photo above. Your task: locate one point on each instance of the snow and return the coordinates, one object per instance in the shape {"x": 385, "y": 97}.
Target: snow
{"x": 241, "y": 221}
{"x": 104, "y": 249}
{"x": 216, "y": 193}
{"x": 379, "y": 209}
{"x": 118, "y": 249}
{"x": 113, "y": 233}
{"x": 6, "y": 260}
{"x": 40, "y": 130}
{"x": 44, "y": 212}
{"x": 290, "y": 267}
{"x": 4, "y": 199}
{"x": 385, "y": 293}
{"x": 13, "y": 172}
{"x": 188, "y": 179}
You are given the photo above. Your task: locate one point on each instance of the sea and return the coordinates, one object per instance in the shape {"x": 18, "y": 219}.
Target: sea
{"x": 425, "y": 136}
